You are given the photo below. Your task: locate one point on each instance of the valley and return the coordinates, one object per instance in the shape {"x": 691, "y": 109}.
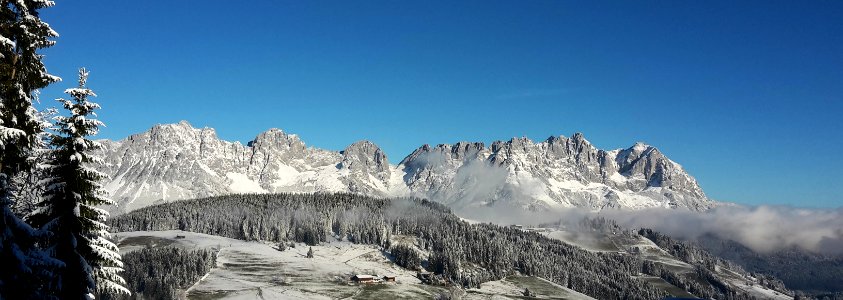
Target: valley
{"x": 617, "y": 242}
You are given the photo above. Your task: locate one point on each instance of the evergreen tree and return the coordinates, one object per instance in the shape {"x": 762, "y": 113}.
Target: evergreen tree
{"x": 164, "y": 272}
{"x": 22, "y": 74}
{"x": 79, "y": 236}
{"x": 310, "y": 253}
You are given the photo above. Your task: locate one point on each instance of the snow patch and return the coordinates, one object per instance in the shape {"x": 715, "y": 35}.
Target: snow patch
{"x": 287, "y": 175}
{"x": 207, "y": 169}
{"x": 240, "y": 183}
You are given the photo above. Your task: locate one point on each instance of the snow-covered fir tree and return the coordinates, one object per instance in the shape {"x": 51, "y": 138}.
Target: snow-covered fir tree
{"x": 79, "y": 236}
{"x": 22, "y": 74}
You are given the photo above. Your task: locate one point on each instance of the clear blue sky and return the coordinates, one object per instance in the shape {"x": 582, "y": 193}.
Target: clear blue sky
{"x": 747, "y": 96}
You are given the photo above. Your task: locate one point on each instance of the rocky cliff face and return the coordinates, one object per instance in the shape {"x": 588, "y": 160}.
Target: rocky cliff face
{"x": 559, "y": 171}
{"x": 176, "y": 161}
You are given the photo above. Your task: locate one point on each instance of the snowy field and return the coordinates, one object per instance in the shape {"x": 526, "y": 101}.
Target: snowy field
{"x": 254, "y": 270}
{"x": 596, "y": 242}
{"x": 513, "y": 288}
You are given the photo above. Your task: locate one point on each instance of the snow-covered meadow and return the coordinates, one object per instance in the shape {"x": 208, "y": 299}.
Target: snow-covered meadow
{"x": 256, "y": 270}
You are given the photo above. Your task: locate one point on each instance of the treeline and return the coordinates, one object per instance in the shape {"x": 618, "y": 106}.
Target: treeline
{"x": 820, "y": 275}
{"x": 405, "y": 256}
{"x": 163, "y": 273}
{"x": 815, "y": 273}
{"x": 703, "y": 282}
{"x": 819, "y": 296}
{"x": 465, "y": 254}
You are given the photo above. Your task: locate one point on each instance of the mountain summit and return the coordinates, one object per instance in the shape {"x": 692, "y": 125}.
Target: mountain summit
{"x": 177, "y": 161}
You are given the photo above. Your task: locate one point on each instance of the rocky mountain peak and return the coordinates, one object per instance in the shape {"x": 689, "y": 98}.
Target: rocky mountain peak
{"x": 364, "y": 155}
{"x": 441, "y": 152}
{"x": 177, "y": 161}
{"x": 422, "y": 150}
{"x": 179, "y": 135}
{"x": 278, "y": 138}
{"x": 640, "y": 146}
{"x": 519, "y": 143}
{"x": 579, "y": 141}
{"x": 467, "y": 150}
{"x": 362, "y": 146}
{"x": 166, "y": 130}
{"x": 638, "y": 157}
{"x": 554, "y": 139}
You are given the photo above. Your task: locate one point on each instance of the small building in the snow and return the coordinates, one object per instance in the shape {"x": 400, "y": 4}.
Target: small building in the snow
{"x": 389, "y": 278}
{"x": 363, "y": 278}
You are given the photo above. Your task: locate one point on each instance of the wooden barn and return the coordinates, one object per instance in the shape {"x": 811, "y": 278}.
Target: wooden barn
{"x": 363, "y": 278}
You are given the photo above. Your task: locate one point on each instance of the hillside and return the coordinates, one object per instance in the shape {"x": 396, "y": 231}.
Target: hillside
{"x": 255, "y": 269}
{"x": 464, "y": 254}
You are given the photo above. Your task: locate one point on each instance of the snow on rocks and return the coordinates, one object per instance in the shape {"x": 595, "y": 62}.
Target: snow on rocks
{"x": 178, "y": 161}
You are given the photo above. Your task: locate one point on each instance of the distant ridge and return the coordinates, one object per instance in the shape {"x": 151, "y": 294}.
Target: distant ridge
{"x": 177, "y": 161}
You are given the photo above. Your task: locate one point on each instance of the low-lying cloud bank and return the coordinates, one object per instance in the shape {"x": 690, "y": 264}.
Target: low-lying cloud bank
{"x": 761, "y": 228}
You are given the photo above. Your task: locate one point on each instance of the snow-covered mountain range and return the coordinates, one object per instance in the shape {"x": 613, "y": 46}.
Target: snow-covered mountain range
{"x": 176, "y": 161}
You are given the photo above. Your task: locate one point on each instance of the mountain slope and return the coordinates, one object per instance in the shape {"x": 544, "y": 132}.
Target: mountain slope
{"x": 797, "y": 268}
{"x": 423, "y": 235}
{"x": 176, "y": 161}
{"x": 559, "y": 171}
